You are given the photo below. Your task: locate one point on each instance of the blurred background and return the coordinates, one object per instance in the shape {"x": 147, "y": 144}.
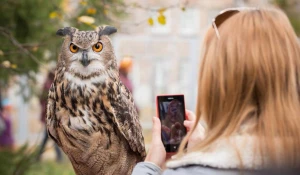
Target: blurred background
{"x": 158, "y": 46}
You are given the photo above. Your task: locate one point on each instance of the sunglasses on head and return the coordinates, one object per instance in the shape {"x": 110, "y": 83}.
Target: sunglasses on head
{"x": 225, "y": 14}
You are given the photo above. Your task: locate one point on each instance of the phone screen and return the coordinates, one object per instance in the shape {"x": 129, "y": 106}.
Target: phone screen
{"x": 171, "y": 112}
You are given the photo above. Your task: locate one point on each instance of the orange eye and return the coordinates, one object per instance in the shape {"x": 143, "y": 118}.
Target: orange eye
{"x": 73, "y": 48}
{"x": 97, "y": 47}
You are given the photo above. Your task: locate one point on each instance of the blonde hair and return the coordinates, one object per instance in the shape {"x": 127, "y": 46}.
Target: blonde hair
{"x": 252, "y": 71}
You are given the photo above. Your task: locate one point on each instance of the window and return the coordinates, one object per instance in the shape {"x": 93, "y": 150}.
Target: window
{"x": 189, "y": 22}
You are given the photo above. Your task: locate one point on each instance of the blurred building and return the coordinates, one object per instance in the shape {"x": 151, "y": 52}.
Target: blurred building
{"x": 166, "y": 57}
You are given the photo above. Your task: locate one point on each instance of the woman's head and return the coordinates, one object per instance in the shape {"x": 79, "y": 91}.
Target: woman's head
{"x": 251, "y": 71}
{"x": 125, "y": 65}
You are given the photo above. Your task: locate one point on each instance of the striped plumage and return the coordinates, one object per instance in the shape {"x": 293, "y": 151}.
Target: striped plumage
{"x": 91, "y": 114}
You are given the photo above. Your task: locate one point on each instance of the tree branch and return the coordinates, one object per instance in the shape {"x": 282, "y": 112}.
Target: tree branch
{"x": 138, "y": 6}
{"x": 16, "y": 43}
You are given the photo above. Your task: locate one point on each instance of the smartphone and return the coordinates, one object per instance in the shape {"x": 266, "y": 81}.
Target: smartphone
{"x": 171, "y": 112}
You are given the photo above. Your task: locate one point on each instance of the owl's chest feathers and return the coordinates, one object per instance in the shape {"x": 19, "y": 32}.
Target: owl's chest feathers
{"x": 76, "y": 97}
{"x": 79, "y": 107}
{"x": 83, "y": 104}
{"x": 77, "y": 94}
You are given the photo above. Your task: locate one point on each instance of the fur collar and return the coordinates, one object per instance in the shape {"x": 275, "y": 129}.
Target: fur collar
{"x": 236, "y": 151}
{"x": 231, "y": 153}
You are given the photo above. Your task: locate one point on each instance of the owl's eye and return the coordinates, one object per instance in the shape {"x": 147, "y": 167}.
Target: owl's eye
{"x": 97, "y": 47}
{"x": 73, "y": 48}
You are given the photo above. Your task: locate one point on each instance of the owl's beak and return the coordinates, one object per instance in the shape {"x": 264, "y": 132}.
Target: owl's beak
{"x": 85, "y": 60}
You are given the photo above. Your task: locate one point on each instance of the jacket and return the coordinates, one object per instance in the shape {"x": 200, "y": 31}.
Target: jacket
{"x": 223, "y": 157}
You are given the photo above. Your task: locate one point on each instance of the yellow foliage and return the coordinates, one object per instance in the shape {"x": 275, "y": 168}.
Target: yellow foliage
{"x": 83, "y": 2}
{"x": 53, "y": 15}
{"x": 86, "y": 19}
{"x": 93, "y": 26}
{"x": 1, "y": 53}
{"x": 91, "y": 11}
{"x": 13, "y": 66}
{"x": 150, "y": 21}
{"x": 161, "y": 19}
{"x": 35, "y": 48}
{"x": 105, "y": 11}
{"x": 161, "y": 11}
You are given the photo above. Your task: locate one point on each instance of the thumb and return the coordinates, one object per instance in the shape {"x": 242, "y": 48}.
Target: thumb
{"x": 188, "y": 124}
{"x": 156, "y": 129}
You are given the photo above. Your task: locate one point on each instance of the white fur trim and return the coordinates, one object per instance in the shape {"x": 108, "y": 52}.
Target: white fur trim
{"x": 224, "y": 154}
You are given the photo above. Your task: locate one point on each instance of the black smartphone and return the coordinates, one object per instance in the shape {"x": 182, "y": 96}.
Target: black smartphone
{"x": 171, "y": 112}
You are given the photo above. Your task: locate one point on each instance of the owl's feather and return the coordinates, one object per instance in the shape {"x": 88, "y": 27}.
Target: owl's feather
{"x": 127, "y": 119}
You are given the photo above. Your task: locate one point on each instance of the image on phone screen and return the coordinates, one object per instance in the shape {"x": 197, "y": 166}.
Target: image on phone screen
{"x": 172, "y": 114}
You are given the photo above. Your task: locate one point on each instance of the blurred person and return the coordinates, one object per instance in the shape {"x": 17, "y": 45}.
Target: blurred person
{"x": 43, "y": 103}
{"x": 0, "y": 98}
{"x": 248, "y": 101}
{"x": 125, "y": 68}
{"x": 6, "y": 136}
{"x": 2, "y": 122}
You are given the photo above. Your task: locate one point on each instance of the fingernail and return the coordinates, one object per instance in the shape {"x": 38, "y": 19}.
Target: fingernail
{"x": 153, "y": 119}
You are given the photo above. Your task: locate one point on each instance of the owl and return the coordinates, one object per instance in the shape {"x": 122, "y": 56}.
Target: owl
{"x": 90, "y": 113}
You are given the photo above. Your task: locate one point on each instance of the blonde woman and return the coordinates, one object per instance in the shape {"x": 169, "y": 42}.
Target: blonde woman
{"x": 248, "y": 98}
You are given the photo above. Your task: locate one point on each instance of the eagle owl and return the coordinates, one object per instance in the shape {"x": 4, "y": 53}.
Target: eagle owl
{"x": 90, "y": 113}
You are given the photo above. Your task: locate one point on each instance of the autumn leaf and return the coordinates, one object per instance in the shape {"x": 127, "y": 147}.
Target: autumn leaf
{"x": 161, "y": 19}
{"x": 53, "y": 15}
{"x": 83, "y": 2}
{"x": 92, "y": 26}
{"x": 86, "y": 19}
{"x": 35, "y": 48}
{"x": 13, "y": 66}
{"x": 91, "y": 11}
{"x": 105, "y": 11}
{"x": 150, "y": 21}
{"x": 161, "y": 11}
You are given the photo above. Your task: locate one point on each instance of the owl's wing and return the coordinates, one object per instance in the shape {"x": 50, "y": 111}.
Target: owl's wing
{"x": 51, "y": 118}
{"x": 126, "y": 118}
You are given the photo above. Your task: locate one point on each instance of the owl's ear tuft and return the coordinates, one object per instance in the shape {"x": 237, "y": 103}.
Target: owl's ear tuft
{"x": 65, "y": 31}
{"x": 107, "y": 30}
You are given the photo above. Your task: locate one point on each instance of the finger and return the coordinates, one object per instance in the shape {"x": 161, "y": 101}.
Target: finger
{"x": 156, "y": 129}
{"x": 190, "y": 115}
{"x": 188, "y": 124}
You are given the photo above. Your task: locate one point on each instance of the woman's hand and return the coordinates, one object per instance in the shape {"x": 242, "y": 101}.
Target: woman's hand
{"x": 157, "y": 152}
{"x": 198, "y": 133}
